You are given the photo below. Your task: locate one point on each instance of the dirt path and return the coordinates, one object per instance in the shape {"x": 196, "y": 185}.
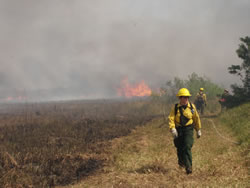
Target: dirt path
{"x": 147, "y": 158}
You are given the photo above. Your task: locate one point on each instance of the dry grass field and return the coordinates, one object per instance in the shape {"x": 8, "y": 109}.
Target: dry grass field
{"x": 108, "y": 143}
{"x": 147, "y": 158}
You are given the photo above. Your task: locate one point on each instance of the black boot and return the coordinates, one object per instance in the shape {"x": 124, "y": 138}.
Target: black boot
{"x": 189, "y": 170}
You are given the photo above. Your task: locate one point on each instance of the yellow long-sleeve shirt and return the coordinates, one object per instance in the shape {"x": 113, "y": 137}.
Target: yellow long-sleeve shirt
{"x": 203, "y": 96}
{"x": 174, "y": 120}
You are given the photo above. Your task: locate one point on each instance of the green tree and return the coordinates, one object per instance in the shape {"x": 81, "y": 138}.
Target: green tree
{"x": 193, "y": 84}
{"x": 242, "y": 92}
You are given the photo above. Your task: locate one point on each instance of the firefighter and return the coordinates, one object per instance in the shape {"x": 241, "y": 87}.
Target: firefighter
{"x": 223, "y": 99}
{"x": 201, "y": 101}
{"x": 183, "y": 119}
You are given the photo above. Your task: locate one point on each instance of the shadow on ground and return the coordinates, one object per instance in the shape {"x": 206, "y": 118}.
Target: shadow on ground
{"x": 152, "y": 169}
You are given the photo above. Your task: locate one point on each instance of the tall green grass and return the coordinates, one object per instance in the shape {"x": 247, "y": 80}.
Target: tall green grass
{"x": 238, "y": 119}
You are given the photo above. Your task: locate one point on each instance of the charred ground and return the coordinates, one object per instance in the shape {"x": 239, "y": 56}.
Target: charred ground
{"x": 49, "y": 144}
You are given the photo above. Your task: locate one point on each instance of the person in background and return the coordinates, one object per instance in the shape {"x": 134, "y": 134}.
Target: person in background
{"x": 201, "y": 101}
{"x": 183, "y": 119}
{"x": 223, "y": 99}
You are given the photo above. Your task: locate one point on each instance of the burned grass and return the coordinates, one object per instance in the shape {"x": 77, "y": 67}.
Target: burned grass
{"x": 59, "y": 144}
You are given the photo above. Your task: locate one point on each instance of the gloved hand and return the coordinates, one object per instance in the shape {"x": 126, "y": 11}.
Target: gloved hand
{"x": 174, "y": 132}
{"x": 198, "y": 133}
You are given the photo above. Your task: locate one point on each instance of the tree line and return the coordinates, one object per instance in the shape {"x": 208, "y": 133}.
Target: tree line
{"x": 240, "y": 92}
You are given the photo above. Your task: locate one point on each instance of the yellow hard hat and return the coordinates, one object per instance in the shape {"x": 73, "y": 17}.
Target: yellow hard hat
{"x": 183, "y": 92}
{"x": 201, "y": 89}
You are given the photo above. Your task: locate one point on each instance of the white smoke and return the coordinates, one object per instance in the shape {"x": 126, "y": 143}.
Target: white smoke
{"x": 86, "y": 47}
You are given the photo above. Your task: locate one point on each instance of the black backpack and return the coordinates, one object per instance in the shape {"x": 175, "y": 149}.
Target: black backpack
{"x": 200, "y": 98}
{"x": 183, "y": 118}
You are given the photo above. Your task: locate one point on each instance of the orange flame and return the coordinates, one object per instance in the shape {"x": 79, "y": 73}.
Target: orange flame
{"x": 138, "y": 90}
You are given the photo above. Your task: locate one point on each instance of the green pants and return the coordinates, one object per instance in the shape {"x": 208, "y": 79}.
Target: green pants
{"x": 184, "y": 143}
{"x": 200, "y": 107}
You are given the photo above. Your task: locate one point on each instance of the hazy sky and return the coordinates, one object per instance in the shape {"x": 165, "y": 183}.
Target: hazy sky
{"x": 86, "y": 47}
